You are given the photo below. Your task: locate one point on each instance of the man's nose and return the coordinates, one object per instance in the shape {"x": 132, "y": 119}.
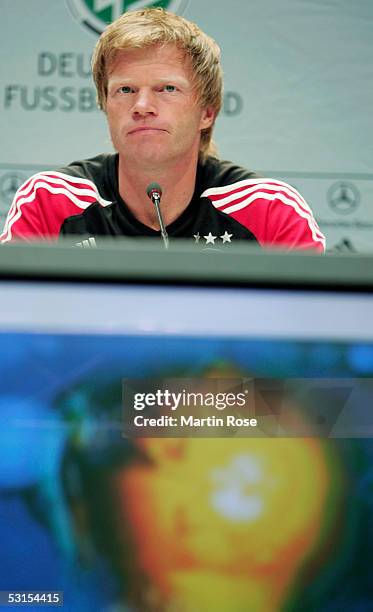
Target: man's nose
{"x": 144, "y": 103}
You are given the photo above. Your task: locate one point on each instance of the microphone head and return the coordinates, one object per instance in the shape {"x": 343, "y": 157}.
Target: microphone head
{"x": 152, "y": 189}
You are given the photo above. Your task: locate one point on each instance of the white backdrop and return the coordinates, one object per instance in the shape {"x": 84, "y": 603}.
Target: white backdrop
{"x": 298, "y": 95}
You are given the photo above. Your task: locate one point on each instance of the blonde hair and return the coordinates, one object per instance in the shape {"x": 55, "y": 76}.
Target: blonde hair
{"x": 147, "y": 27}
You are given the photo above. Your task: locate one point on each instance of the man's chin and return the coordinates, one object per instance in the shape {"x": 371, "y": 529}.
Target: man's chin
{"x": 148, "y": 158}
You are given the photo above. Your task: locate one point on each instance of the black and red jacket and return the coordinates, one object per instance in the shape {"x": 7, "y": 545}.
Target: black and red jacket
{"x": 229, "y": 203}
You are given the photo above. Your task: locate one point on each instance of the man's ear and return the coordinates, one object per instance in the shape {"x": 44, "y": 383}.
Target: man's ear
{"x": 207, "y": 118}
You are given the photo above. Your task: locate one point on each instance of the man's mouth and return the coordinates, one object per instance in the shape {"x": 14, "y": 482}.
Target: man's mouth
{"x": 145, "y": 129}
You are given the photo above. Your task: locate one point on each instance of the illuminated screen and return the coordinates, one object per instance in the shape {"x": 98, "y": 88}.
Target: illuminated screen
{"x": 187, "y": 524}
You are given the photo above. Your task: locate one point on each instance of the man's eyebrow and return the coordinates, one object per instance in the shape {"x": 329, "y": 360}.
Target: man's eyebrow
{"x": 164, "y": 79}
{"x": 174, "y": 78}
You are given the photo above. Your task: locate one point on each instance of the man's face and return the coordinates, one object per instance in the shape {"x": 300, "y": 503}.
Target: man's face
{"x": 152, "y": 108}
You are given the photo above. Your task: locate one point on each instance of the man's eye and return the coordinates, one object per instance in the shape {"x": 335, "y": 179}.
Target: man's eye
{"x": 169, "y": 88}
{"x": 125, "y": 89}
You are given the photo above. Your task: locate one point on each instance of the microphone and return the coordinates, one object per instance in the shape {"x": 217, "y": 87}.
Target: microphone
{"x": 154, "y": 192}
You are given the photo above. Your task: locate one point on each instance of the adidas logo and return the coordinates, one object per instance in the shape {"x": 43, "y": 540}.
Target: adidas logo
{"x": 89, "y": 243}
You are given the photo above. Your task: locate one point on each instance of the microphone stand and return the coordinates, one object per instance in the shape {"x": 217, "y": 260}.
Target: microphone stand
{"x": 154, "y": 192}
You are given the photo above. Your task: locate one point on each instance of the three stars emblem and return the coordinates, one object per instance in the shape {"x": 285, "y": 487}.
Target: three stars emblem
{"x": 210, "y": 238}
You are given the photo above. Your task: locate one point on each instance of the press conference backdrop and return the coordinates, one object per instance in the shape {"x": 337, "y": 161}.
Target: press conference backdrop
{"x": 297, "y": 106}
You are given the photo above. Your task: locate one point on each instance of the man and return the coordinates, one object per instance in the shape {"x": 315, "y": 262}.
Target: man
{"x": 159, "y": 81}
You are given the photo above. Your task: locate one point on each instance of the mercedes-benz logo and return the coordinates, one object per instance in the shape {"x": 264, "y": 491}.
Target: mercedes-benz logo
{"x": 343, "y": 197}
{"x": 9, "y": 183}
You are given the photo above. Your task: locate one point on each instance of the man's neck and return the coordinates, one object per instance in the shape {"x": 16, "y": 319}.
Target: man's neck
{"x": 177, "y": 181}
